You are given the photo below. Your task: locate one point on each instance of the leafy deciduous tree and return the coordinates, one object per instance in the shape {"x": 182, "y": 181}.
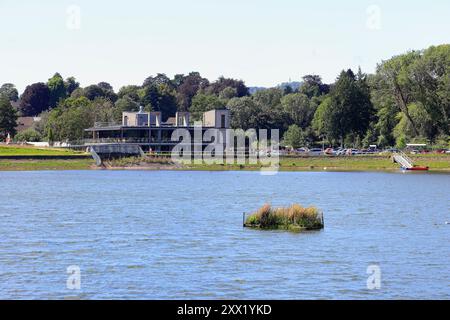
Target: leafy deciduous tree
{"x": 9, "y": 90}
{"x": 8, "y": 118}
{"x": 35, "y": 99}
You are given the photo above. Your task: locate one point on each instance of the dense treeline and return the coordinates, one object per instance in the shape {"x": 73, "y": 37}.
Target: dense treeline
{"x": 406, "y": 100}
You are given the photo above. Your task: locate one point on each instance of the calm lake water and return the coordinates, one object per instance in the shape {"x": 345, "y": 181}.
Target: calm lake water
{"x": 179, "y": 235}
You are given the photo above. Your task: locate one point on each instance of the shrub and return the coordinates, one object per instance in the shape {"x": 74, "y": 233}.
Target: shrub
{"x": 29, "y": 135}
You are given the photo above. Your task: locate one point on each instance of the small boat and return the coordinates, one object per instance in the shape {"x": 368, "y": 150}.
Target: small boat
{"x": 417, "y": 168}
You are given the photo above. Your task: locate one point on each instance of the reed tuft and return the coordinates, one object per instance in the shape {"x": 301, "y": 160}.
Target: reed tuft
{"x": 294, "y": 217}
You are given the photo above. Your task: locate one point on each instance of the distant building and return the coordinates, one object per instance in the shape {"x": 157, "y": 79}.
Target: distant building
{"x": 15, "y": 104}
{"x": 141, "y": 119}
{"x": 147, "y": 130}
{"x": 217, "y": 119}
{"x": 24, "y": 123}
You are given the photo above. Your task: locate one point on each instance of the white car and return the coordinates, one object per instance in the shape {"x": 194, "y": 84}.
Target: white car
{"x": 302, "y": 151}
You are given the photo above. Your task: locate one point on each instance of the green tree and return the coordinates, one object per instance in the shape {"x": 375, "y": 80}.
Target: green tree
{"x": 349, "y": 110}
{"x": 122, "y": 105}
{"x": 131, "y": 92}
{"x": 299, "y": 108}
{"x": 312, "y": 86}
{"x": 244, "y": 113}
{"x": 159, "y": 97}
{"x": 205, "y": 102}
{"x": 159, "y": 79}
{"x": 8, "y": 118}
{"x": 100, "y": 90}
{"x": 28, "y": 135}
{"x": 68, "y": 121}
{"x": 220, "y": 84}
{"x": 269, "y": 98}
{"x": 319, "y": 123}
{"x": 431, "y": 74}
{"x": 9, "y": 90}
{"x": 187, "y": 87}
{"x": 228, "y": 93}
{"x": 269, "y": 113}
{"x": 417, "y": 80}
{"x": 387, "y": 120}
{"x": 39, "y": 126}
{"x": 394, "y": 75}
{"x": 71, "y": 85}
{"x": 294, "y": 137}
{"x": 57, "y": 89}
{"x": 34, "y": 100}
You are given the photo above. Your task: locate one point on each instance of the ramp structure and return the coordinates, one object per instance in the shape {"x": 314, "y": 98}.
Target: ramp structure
{"x": 402, "y": 159}
{"x": 102, "y": 152}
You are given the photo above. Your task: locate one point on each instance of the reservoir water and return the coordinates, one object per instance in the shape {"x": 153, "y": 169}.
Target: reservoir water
{"x": 179, "y": 235}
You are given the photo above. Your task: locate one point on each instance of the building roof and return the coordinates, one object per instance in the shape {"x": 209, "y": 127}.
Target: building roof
{"x": 171, "y": 120}
{"x": 24, "y": 123}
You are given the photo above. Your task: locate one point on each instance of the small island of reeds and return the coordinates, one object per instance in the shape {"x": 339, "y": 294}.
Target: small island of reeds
{"x": 293, "y": 218}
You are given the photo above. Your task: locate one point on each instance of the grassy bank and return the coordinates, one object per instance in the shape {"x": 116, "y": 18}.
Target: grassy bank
{"x": 15, "y": 150}
{"x": 28, "y": 165}
{"x": 436, "y": 162}
{"x": 33, "y": 158}
{"x": 353, "y": 163}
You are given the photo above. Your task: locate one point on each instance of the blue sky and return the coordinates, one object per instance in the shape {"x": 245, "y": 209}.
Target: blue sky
{"x": 263, "y": 42}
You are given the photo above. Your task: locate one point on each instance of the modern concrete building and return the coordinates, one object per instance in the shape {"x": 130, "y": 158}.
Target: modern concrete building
{"x": 141, "y": 118}
{"x": 148, "y": 131}
{"x": 216, "y": 119}
{"x": 182, "y": 119}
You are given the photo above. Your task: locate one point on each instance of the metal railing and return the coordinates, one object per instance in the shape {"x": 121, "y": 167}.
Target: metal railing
{"x": 403, "y": 159}
{"x": 106, "y": 124}
{"x": 120, "y": 140}
{"x": 406, "y": 157}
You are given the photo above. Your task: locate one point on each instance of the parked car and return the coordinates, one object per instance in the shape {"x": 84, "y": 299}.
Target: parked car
{"x": 351, "y": 152}
{"x": 278, "y": 153}
{"x": 315, "y": 152}
{"x": 274, "y": 153}
{"x": 330, "y": 152}
{"x": 372, "y": 149}
{"x": 390, "y": 150}
{"x": 263, "y": 153}
{"x": 302, "y": 151}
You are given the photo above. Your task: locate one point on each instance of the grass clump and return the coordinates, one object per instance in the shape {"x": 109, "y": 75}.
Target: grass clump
{"x": 294, "y": 218}
{"x": 139, "y": 161}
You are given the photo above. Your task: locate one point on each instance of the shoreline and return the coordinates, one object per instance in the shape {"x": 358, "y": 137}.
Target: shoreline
{"x": 437, "y": 164}
{"x": 24, "y": 158}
